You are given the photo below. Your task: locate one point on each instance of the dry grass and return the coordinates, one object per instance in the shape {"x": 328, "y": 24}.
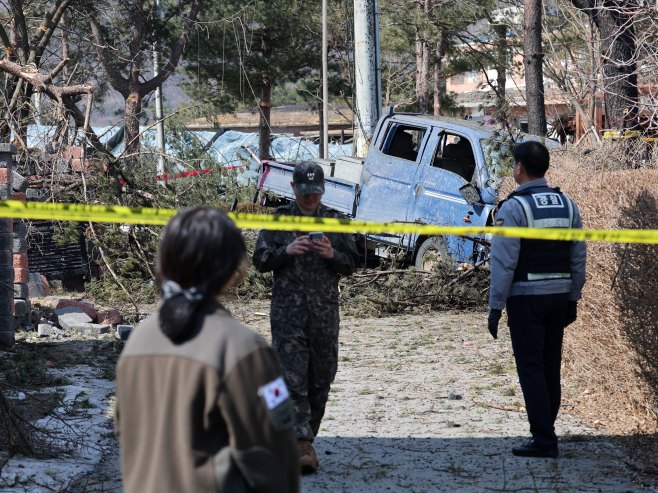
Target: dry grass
{"x": 611, "y": 352}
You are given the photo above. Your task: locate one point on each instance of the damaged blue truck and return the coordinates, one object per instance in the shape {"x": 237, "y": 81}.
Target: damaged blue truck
{"x": 419, "y": 169}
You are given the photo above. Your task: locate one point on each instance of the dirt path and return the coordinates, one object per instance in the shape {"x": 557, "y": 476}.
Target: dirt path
{"x": 429, "y": 403}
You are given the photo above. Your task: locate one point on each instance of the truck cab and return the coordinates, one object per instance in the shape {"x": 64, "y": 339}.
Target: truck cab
{"x": 414, "y": 171}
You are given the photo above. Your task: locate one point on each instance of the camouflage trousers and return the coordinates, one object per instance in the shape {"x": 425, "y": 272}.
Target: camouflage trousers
{"x": 309, "y": 357}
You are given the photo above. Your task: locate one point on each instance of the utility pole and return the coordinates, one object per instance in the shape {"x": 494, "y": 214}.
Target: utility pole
{"x": 367, "y": 76}
{"x": 159, "y": 126}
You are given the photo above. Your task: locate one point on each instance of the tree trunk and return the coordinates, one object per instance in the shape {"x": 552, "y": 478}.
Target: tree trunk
{"x": 419, "y": 67}
{"x": 132, "y": 114}
{"x": 424, "y": 88}
{"x": 620, "y": 84}
{"x": 532, "y": 59}
{"x": 264, "y": 128}
{"x": 502, "y": 54}
{"x": 439, "y": 76}
{"x": 265, "y": 134}
{"x": 423, "y": 65}
{"x": 618, "y": 49}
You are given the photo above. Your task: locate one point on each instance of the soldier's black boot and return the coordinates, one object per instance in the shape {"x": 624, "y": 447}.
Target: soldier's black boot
{"x": 532, "y": 449}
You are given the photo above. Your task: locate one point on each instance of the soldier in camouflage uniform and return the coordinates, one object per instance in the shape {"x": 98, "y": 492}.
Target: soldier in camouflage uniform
{"x": 304, "y": 311}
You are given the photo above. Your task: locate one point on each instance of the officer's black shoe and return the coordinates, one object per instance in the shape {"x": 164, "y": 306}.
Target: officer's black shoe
{"x": 532, "y": 449}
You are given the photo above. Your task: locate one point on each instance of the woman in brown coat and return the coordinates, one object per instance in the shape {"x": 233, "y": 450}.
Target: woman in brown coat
{"x": 201, "y": 401}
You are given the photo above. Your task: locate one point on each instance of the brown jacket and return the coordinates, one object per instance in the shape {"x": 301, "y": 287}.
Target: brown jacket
{"x": 207, "y": 415}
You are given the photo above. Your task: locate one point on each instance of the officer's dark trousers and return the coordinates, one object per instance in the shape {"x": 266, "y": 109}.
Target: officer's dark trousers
{"x": 537, "y": 327}
{"x": 308, "y": 350}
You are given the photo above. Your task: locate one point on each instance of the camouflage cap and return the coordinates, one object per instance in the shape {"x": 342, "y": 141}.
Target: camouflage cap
{"x": 308, "y": 177}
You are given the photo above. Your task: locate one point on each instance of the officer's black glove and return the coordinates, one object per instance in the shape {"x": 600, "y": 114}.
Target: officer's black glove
{"x": 494, "y": 318}
{"x": 572, "y": 312}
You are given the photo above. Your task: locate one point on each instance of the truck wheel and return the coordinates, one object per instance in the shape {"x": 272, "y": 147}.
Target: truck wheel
{"x": 432, "y": 254}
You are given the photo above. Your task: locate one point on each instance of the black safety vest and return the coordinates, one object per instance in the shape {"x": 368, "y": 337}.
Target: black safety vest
{"x": 541, "y": 260}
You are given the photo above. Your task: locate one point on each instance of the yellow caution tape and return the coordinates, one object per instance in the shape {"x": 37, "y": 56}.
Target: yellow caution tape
{"x": 82, "y": 212}
{"x": 145, "y": 215}
{"x": 628, "y": 134}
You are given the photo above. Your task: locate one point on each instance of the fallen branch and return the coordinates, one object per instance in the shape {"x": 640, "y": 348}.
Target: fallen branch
{"x": 502, "y": 408}
{"x": 390, "y": 302}
{"x": 387, "y": 272}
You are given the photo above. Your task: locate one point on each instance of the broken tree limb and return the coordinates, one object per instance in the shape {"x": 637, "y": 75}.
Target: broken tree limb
{"x": 388, "y": 272}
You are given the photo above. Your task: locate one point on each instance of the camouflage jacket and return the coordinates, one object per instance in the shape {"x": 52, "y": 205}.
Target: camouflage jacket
{"x": 304, "y": 281}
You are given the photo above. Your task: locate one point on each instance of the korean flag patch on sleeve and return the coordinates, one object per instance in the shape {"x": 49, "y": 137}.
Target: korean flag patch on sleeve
{"x": 276, "y": 398}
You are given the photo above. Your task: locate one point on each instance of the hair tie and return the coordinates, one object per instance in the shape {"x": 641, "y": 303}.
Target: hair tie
{"x": 172, "y": 288}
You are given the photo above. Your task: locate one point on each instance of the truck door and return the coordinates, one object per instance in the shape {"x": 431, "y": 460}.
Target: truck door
{"x": 388, "y": 175}
{"x": 436, "y": 192}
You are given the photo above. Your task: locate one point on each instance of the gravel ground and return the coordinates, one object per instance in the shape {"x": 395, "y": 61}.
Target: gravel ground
{"x": 426, "y": 403}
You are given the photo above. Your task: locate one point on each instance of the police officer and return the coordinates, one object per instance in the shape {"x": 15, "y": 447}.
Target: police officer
{"x": 539, "y": 282}
{"x": 304, "y": 310}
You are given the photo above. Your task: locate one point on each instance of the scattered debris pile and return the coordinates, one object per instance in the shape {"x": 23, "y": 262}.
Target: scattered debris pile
{"x": 79, "y": 317}
{"x": 386, "y": 292}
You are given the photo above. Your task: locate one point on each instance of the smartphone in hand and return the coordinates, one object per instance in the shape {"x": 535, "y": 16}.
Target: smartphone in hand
{"x": 316, "y": 236}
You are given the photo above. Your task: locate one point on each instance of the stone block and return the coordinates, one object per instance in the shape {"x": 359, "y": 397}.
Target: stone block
{"x": 91, "y": 329}
{"x": 6, "y": 323}
{"x": 21, "y": 276}
{"x": 6, "y": 258}
{"x": 20, "y": 260}
{"x": 38, "y": 285}
{"x": 37, "y": 194}
{"x": 8, "y": 149}
{"x": 5, "y": 191}
{"x": 124, "y": 331}
{"x": 18, "y": 182}
{"x": 46, "y": 330}
{"x": 110, "y": 317}
{"x": 6, "y": 303}
{"x": 6, "y": 275}
{"x": 5, "y": 176}
{"x": 6, "y": 226}
{"x": 19, "y": 245}
{"x": 7, "y": 338}
{"x": 81, "y": 306}
{"x": 20, "y": 196}
{"x": 20, "y": 308}
{"x": 6, "y": 241}
{"x": 70, "y": 317}
{"x": 62, "y": 166}
{"x": 72, "y": 152}
{"x": 21, "y": 291}
{"x": 19, "y": 229}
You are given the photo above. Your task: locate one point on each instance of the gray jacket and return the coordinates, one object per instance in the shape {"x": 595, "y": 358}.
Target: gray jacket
{"x": 505, "y": 255}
